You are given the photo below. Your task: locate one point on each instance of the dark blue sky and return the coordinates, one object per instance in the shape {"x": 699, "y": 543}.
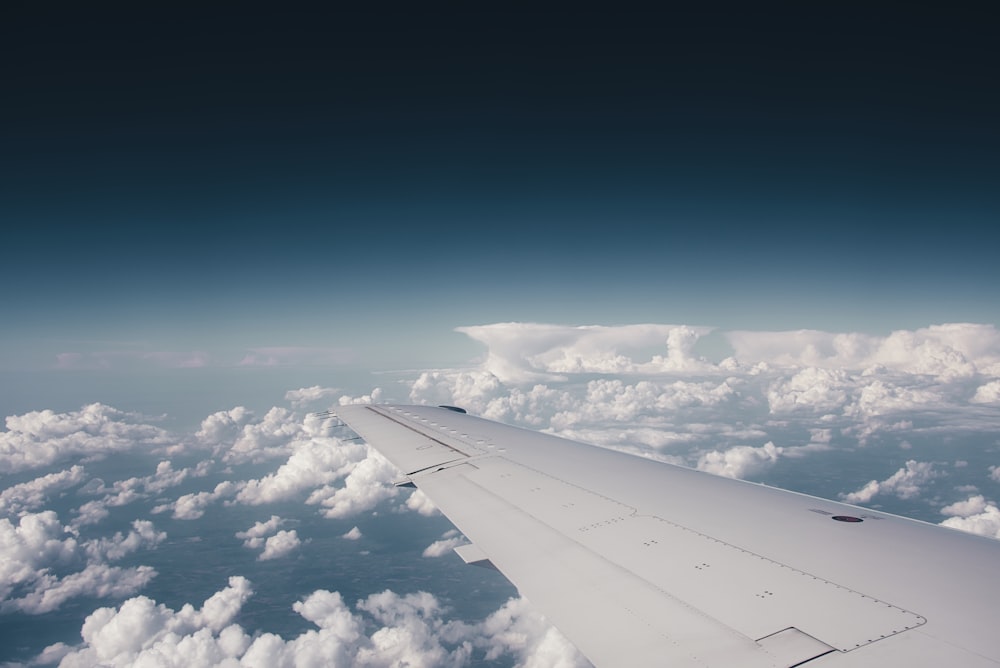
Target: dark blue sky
{"x": 189, "y": 174}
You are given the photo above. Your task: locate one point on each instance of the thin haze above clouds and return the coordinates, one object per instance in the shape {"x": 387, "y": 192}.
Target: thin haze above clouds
{"x": 906, "y": 422}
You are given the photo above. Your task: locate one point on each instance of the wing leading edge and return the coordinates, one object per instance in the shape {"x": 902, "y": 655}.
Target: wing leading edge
{"x": 642, "y": 563}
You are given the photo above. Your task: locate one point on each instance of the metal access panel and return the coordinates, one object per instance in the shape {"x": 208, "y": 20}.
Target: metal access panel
{"x": 751, "y": 594}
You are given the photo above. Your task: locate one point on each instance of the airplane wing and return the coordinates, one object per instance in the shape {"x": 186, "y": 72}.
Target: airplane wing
{"x": 640, "y": 563}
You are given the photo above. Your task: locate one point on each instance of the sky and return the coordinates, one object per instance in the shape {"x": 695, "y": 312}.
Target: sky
{"x": 758, "y": 241}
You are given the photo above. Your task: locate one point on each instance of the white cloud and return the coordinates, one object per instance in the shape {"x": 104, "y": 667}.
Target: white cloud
{"x": 812, "y": 389}
{"x": 310, "y": 395}
{"x": 405, "y": 630}
{"x": 353, "y": 534}
{"x": 971, "y": 506}
{"x": 948, "y": 351}
{"x": 223, "y": 426}
{"x": 988, "y": 393}
{"x": 975, "y": 515}
{"x": 42, "y": 438}
{"x": 192, "y": 506}
{"x": 273, "y": 436}
{"x": 368, "y": 484}
{"x": 239, "y": 437}
{"x": 100, "y": 580}
{"x": 420, "y": 503}
{"x": 614, "y": 402}
{"x": 472, "y": 390}
{"x": 31, "y": 495}
{"x": 143, "y": 535}
{"x": 448, "y": 542}
{"x": 253, "y": 537}
{"x": 30, "y": 546}
{"x": 279, "y": 545}
{"x": 904, "y": 483}
{"x": 38, "y": 546}
{"x": 518, "y": 629}
{"x": 373, "y": 398}
{"x": 739, "y": 461}
{"x": 140, "y": 632}
{"x": 526, "y": 352}
{"x": 123, "y": 492}
{"x": 883, "y": 398}
{"x": 313, "y": 463}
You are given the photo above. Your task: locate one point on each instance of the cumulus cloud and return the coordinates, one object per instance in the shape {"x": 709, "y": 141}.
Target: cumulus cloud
{"x": 280, "y": 544}
{"x": 739, "y": 461}
{"x": 368, "y": 484}
{"x": 883, "y": 398}
{"x": 471, "y": 389}
{"x": 192, "y": 506}
{"x": 39, "y": 547}
{"x": 448, "y": 542}
{"x": 852, "y": 386}
{"x": 42, "y": 438}
{"x": 604, "y": 402}
{"x": 971, "y": 506}
{"x": 238, "y": 436}
{"x": 313, "y": 463}
{"x": 353, "y": 534}
{"x": 949, "y": 351}
{"x": 310, "y": 395}
{"x": 253, "y": 537}
{"x": 988, "y": 393}
{"x": 141, "y": 631}
{"x": 142, "y": 535}
{"x": 904, "y": 483}
{"x": 520, "y": 630}
{"x": 420, "y": 503}
{"x": 373, "y": 398}
{"x": 387, "y": 629}
{"x": 223, "y": 426}
{"x": 812, "y": 389}
{"x": 31, "y": 495}
{"x": 526, "y": 352}
{"x": 271, "y": 436}
{"x": 975, "y": 515}
{"x": 613, "y": 401}
{"x": 123, "y": 492}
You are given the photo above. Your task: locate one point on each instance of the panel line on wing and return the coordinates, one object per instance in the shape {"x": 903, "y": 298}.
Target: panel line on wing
{"x": 748, "y": 592}
{"x": 415, "y": 430}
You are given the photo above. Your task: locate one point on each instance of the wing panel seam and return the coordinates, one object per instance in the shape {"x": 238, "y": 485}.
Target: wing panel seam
{"x": 417, "y": 431}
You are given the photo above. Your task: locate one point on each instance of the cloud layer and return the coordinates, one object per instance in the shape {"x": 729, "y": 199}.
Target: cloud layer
{"x": 906, "y": 421}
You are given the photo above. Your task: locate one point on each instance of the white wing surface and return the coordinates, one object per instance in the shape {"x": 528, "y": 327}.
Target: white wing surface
{"x": 641, "y": 563}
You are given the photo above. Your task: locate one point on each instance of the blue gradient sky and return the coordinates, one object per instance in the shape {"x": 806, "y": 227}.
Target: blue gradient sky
{"x": 367, "y": 181}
